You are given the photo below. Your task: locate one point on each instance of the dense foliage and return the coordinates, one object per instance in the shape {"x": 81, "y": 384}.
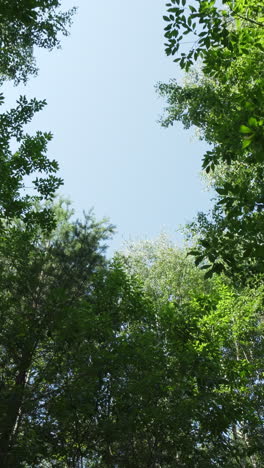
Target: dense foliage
{"x": 45, "y": 283}
{"x": 103, "y": 366}
{"x": 225, "y": 102}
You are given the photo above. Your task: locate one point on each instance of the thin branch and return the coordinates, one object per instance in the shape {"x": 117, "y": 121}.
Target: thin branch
{"x": 251, "y": 20}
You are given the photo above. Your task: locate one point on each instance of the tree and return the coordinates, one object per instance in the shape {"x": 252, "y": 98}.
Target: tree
{"x": 26, "y": 24}
{"x": 209, "y": 333}
{"x": 28, "y": 158}
{"x": 219, "y": 33}
{"x": 166, "y": 271}
{"x": 104, "y": 365}
{"x": 218, "y": 110}
{"x": 44, "y": 279}
{"x": 120, "y": 388}
{"x": 224, "y": 102}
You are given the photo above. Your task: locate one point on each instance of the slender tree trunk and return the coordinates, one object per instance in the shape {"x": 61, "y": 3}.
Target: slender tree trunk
{"x": 13, "y": 411}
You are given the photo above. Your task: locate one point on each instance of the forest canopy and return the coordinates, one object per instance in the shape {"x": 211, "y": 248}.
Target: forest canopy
{"x": 154, "y": 357}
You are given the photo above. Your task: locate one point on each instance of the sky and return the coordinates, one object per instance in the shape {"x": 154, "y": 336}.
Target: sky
{"x": 103, "y": 111}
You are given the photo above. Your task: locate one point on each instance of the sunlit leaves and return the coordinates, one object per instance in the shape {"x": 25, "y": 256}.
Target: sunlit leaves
{"x": 224, "y": 102}
{"x": 210, "y": 28}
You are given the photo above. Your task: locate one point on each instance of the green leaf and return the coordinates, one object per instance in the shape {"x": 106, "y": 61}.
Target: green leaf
{"x": 245, "y": 129}
{"x": 221, "y": 190}
{"x": 252, "y": 122}
{"x": 246, "y": 143}
{"x": 194, "y": 252}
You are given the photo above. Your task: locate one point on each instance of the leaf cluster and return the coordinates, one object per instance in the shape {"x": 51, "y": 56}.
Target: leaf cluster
{"x": 18, "y": 163}
{"x": 26, "y": 24}
{"x": 224, "y": 102}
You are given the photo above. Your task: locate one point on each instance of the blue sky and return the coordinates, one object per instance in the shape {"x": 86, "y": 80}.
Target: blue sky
{"x": 103, "y": 112}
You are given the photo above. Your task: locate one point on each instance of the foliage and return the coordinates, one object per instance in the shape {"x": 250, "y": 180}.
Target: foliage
{"x": 139, "y": 361}
{"x": 166, "y": 271}
{"x": 28, "y": 159}
{"x": 208, "y": 400}
{"x": 26, "y": 24}
{"x": 44, "y": 280}
{"x": 121, "y": 364}
{"x": 224, "y": 102}
{"x": 228, "y": 239}
{"x": 219, "y": 33}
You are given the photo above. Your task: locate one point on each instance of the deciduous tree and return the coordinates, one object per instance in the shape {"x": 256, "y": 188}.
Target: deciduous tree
{"x": 26, "y": 24}
{"x": 224, "y": 101}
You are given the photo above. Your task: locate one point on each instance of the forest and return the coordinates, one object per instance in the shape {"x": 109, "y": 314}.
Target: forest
{"x": 152, "y": 358}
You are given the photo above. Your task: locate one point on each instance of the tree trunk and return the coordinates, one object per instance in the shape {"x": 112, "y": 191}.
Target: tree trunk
{"x": 14, "y": 406}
